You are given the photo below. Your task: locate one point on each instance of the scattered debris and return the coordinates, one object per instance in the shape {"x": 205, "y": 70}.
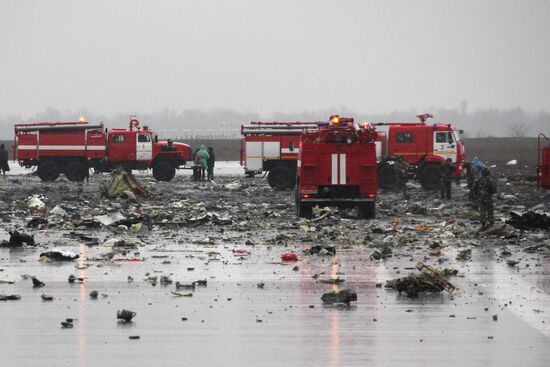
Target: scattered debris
{"x": 125, "y": 315}
{"x": 124, "y": 183}
{"x": 46, "y": 297}
{"x": 9, "y": 297}
{"x": 529, "y": 220}
{"x": 289, "y": 256}
{"x": 429, "y": 280}
{"x": 18, "y": 239}
{"x": 181, "y": 294}
{"x": 36, "y": 283}
{"x": 464, "y": 254}
{"x": 59, "y": 255}
{"x": 185, "y": 286}
{"x": 322, "y": 250}
{"x": 345, "y": 296}
{"x": 36, "y": 205}
{"x": 512, "y": 263}
{"x": 67, "y": 324}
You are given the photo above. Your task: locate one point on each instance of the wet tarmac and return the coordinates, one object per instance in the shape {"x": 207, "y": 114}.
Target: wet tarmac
{"x": 233, "y": 322}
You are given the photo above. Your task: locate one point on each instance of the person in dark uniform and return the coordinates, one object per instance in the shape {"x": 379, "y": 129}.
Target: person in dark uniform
{"x": 400, "y": 170}
{"x": 4, "y": 159}
{"x": 447, "y": 169}
{"x": 471, "y": 177}
{"x": 211, "y": 161}
{"x": 486, "y": 188}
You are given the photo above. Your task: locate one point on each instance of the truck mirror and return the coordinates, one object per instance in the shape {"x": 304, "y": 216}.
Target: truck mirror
{"x": 156, "y": 138}
{"x": 461, "y": 131}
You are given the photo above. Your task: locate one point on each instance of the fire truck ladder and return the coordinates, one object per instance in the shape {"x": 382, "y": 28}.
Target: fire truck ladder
{"x": 51, "y": 126}
{"x": 276, "y": 128}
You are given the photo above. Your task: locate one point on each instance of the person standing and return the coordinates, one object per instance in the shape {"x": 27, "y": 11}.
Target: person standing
{"x": 486, "y": 188}
{"x": 203, "y": 154}
{"x": 470, "y": 179}
{"x": 447, "y": 169}
{"x": 4, "y": 160}
{"x": 478, "y": 166}
{"x": 400, "y": 179}
{"x": 211, "y": 162}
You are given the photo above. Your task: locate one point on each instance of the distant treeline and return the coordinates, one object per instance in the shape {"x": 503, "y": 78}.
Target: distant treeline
{"x": 225, "y": 123}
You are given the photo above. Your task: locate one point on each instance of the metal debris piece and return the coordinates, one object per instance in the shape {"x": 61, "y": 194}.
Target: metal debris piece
{"x": 343, "y": 297}
{"x": 9, "y": 297}
{"x": 429, "y": 280}
{"x": 125, "y": 315}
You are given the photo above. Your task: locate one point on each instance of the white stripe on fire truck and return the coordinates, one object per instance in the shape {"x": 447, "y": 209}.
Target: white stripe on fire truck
{"x": 61, "y": 147}
{"x": 334, "y": 172}
{"x": 342, "y": 169}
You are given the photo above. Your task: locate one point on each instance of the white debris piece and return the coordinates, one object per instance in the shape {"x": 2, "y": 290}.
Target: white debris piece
{"x": 513, "y": 162}
{"x": 110, "y": 219}
{"x": 58, "y": 211}
{"x": 65, "y": 253}
{"x": 233, "y": 186}
{"x": 36, "y": 205}
{"x": 110, "y": 242}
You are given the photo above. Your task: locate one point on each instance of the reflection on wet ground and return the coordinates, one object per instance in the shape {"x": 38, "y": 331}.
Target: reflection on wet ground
{"x": 233, "y": 322}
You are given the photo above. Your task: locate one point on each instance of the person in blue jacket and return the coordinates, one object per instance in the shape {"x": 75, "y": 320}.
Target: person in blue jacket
{"x": 478, "y": 166}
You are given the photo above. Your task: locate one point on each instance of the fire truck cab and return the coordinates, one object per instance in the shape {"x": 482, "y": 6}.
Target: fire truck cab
{"x": 73, "y": 148}
{"x": 337, "y": 166}
{"x": 543, "y": 166}
{"x": 424, "y": 147}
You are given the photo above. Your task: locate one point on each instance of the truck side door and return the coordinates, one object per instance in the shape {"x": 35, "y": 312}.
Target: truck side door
{"x": 144, "y": 147}
{"x": 118, "y": 151}
{"x": 445, "y": 145}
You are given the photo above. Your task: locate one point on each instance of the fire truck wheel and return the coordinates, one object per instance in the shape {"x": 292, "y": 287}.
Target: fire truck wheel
{"x": 48, "y": 171}
{"x": 387, "y": 177}
{"x": 76, "y": 171}
{"x": 280, "y": 178}
{"x": 429, "y": 177}
{"x": 367, "y": 210}
{"x": 163, "y": 171}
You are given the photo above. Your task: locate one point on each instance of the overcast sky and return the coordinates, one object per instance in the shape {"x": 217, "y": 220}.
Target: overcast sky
{"x": 265, "y": 56}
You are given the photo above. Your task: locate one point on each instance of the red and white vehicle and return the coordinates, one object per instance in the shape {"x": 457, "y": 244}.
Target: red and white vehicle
{"x": 272, "y": 147}
{"x": 337, "y": 166}
{"x": 423, "y": 146}
{"x": 543, "y": 166}
{"x": 73, "y": 148}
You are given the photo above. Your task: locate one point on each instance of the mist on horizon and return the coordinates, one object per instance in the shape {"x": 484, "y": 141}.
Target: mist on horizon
{"x": 269, "y": 56}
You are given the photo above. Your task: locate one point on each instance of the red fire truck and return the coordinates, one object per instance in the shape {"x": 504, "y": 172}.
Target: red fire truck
{"x": 337, "y": 166}
{"x": 543, "y": 166}
{"x": 73, "y": 148}
{"x": 423, "y": 146}
{"x": 272, "y": 147}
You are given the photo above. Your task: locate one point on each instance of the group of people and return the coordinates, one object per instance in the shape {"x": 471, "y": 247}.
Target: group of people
{"x": 478, "y": 177}
{"x": 204, "y": 164}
